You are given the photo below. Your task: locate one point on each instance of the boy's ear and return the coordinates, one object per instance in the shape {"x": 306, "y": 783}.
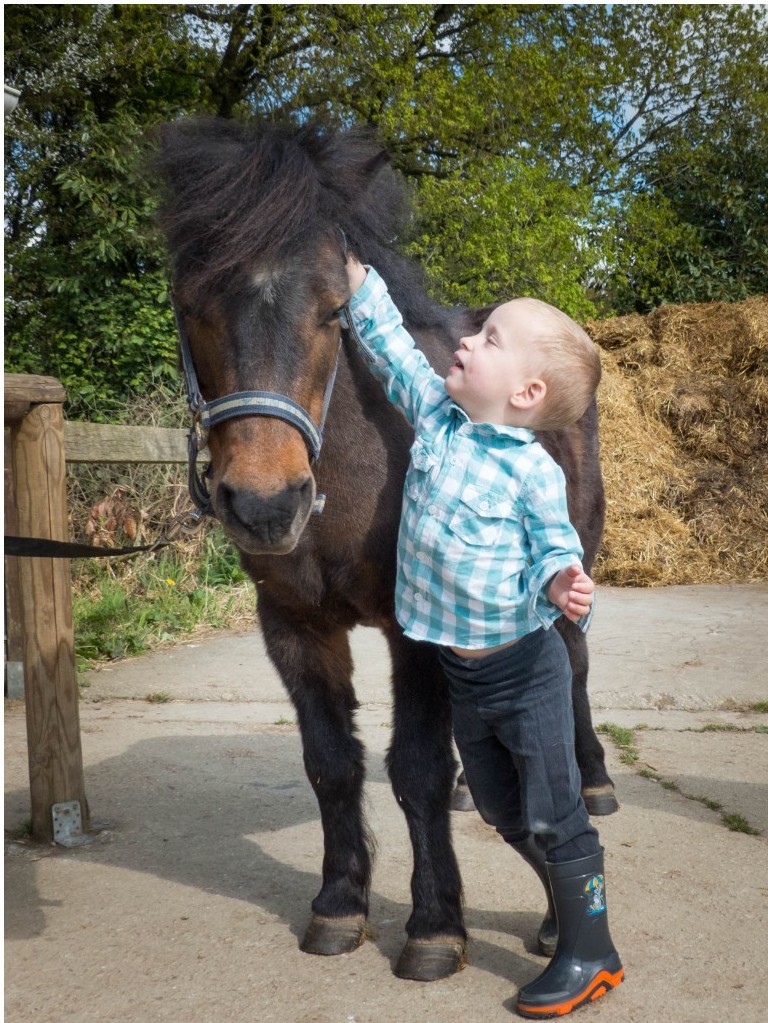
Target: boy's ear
{"x": 529, "y": 396}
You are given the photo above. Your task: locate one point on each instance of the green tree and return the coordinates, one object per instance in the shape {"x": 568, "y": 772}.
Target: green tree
{"x": 691, "y": 224}
{"x": 591, "y": 154}
{"x": 85, "y": 281}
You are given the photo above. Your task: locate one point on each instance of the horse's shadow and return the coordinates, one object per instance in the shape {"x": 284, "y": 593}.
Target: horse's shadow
{"x": 212, "y": 813}
{"x": 235, "y": 816}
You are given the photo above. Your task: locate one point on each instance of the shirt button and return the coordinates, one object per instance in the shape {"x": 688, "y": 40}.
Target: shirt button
{"x": 484, "y": 505}
{"x": 421, "y": 556}
{"x": 432, "y": 509}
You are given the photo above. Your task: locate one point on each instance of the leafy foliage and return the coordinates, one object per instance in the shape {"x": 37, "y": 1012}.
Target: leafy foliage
{"x": 85, "y": 280}
{"x": 604, "y": 157}
{"x": 694, "y": 227}
{"x": 522, "y": 233}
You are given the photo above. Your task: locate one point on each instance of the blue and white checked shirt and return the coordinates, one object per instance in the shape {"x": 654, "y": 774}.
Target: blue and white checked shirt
{"x": 484, "y": 525}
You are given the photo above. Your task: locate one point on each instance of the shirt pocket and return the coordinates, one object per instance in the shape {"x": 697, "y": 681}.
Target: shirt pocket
{"x": 481, "y": 516}
{"x": 420, "y": 470}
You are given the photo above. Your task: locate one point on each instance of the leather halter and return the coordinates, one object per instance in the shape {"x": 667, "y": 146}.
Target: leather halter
{"x": 207, "y": 414}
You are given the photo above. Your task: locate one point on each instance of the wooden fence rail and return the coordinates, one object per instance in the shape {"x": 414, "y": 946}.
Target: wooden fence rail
{"x": 39, "y": 630}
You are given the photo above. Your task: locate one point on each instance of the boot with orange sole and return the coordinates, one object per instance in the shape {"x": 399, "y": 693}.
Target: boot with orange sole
{"x": 586, "y": 964}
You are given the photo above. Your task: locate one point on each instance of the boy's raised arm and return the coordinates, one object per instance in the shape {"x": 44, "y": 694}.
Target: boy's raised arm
{"x": 388, "y": 348}
{"x": 356, "y": 273}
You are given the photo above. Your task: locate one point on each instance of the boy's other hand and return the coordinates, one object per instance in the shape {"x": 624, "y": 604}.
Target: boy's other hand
{"x": 356, "y": 273}
{"x": 572, "y": 591}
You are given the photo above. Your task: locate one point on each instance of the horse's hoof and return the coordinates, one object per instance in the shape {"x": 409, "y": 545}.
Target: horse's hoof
{"x": 431, "y": 958}
{"x": 600, "y": 801}
{"x": 333, "y": 935}
{"x": 461, "y": 798}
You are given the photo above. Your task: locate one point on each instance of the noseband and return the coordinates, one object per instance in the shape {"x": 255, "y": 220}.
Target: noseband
{"x": 207, "y": 414}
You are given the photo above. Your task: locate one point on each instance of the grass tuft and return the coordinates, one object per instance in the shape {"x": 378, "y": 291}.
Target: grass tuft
{"x": 623, "y": 738}
{"x": 735, "y": 822}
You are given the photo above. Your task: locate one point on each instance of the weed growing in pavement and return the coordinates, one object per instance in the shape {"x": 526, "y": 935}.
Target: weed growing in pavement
{"x": 624, "y": 739}
{"x": 713, "y": 726}
{"x": 735, "y": 822}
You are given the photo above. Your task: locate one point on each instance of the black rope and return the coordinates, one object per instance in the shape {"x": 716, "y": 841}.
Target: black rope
{"x": 36, "y": 547}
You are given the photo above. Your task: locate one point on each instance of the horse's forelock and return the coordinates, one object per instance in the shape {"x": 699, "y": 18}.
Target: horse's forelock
{"x": 232, "y": 198}
{"x": 239, "y": 198}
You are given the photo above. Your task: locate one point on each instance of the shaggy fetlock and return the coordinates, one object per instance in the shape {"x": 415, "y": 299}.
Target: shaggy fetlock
{"x": 586, "y": 964}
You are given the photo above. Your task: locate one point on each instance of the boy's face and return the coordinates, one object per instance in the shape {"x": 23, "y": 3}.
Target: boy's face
{"x": 494, "y": 370}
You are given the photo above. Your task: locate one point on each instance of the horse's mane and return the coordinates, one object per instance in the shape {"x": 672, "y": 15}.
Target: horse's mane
{"x": 239, "y": 196}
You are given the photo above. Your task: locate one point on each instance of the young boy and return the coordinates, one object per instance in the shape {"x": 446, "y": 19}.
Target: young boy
{"x": 487, "y": 561}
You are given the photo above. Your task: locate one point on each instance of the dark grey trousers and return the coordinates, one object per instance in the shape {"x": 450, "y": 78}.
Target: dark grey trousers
{"x": 513, "y": 725}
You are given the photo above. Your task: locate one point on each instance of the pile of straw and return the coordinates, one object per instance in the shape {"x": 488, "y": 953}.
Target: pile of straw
{"x": 684, "y": 427}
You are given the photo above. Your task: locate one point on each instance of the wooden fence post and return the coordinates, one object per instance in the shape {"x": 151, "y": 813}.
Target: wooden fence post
{"x": 53, "y": 720}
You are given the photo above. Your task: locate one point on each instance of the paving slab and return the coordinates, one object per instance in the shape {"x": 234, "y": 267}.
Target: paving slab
{"x": 677, "y": 647}
{"x": 190, "y": 904}
{"x": 725, "y": 768}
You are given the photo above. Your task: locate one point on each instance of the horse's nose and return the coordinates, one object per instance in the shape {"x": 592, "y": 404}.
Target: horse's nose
{"x": 267, "y": 518}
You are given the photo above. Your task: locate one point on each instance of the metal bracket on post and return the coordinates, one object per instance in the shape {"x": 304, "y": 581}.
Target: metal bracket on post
{"x": 68, "y": 825}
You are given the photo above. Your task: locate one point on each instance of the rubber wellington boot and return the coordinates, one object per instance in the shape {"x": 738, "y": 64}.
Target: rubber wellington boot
{"x": 535, "y": 858}
{"x": 586, "y": 965}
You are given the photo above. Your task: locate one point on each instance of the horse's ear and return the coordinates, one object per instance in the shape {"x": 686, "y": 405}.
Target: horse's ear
{"x": 362, "y": 175}
{"x": 372, "y": 166}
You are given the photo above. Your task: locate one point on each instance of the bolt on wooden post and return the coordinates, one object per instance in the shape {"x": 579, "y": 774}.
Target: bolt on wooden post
{"x": 34, "y": 406}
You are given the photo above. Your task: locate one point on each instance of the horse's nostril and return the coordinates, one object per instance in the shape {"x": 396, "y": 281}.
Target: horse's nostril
{"x": 269, "y": 518}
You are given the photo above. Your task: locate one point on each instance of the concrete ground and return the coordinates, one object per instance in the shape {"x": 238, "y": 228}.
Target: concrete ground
{"x": 189, "y": 906}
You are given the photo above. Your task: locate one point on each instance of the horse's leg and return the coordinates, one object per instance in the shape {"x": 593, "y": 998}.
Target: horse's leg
{"x": 316, "y": 668}
{"x": 421, "y": 768}
{"x": 597, "y": 789}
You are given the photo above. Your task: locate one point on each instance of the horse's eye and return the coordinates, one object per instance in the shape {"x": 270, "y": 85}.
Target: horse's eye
{"x": 334, "y": 315}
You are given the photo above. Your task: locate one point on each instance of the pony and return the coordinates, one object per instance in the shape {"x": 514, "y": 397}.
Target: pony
{"x": 258, "y": 221}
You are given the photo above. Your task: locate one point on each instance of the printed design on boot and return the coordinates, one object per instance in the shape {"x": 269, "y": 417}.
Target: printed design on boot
{"x": 595, "y": 889}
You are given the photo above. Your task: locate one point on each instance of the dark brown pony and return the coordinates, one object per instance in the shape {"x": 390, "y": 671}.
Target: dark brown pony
{"x": 256, "y": 222}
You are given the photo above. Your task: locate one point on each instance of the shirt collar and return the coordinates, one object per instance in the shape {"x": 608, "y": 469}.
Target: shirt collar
{"x": 518, "y": 433}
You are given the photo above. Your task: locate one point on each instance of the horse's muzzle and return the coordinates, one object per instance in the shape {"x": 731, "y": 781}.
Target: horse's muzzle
{"x": 264, "y": 523}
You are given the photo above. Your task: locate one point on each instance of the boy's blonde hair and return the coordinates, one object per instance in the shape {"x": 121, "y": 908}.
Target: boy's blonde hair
{"x": 569, "y": 365}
